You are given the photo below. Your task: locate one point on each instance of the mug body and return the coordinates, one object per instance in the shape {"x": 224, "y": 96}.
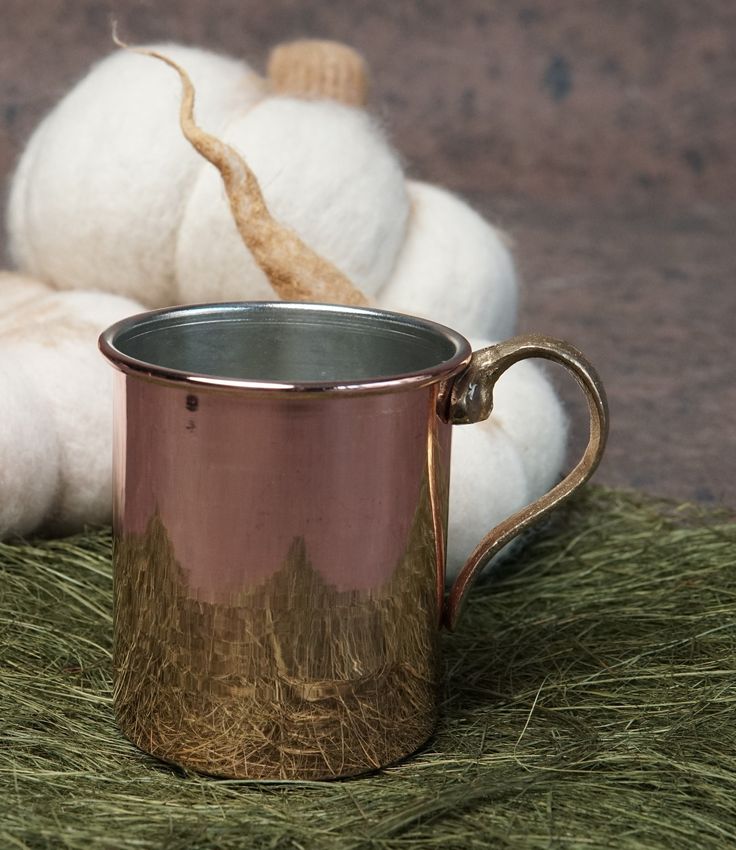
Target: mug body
{"x": 281, "y": 479}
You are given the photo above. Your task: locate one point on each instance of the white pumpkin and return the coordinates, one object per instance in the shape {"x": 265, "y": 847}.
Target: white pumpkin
{"x": 109, "y": 196}
{"x": 56, "y": 440}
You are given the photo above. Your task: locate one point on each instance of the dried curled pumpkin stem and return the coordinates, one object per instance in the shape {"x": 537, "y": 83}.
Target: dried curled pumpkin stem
{"x": 294, "y": 270}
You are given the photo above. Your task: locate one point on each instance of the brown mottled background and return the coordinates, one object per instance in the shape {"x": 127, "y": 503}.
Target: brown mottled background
{"x": 601, "y": 135}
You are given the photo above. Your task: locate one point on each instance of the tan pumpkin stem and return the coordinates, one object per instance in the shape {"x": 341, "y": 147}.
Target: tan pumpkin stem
{"x": 324, "y": 69}
{"x": 294, "y": 270}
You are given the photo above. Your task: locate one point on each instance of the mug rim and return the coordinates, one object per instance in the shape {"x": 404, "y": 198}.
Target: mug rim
{"x": 109, "y": 341}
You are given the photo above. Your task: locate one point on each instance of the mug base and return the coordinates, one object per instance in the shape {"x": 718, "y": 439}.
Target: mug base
{"x": 293, "y": 765}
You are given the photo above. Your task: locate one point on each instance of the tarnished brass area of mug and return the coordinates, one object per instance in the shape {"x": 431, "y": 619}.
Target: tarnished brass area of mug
{"x": 292, "y": 679}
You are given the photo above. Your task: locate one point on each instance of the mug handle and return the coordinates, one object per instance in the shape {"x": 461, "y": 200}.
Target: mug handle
{"x": 470, "y": 399}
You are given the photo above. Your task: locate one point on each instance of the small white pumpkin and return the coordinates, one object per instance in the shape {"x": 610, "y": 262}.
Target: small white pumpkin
{"x": 56, "y": 442}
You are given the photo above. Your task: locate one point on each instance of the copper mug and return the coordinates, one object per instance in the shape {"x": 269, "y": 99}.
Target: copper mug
{"x": 280, "y": 510}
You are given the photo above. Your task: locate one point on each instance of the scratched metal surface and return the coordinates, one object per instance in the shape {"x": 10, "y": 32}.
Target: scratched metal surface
{"x": 599, "y": 135}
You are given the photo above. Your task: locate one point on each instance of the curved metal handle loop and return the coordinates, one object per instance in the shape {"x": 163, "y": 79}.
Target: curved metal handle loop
{"x": 471, "y": 400}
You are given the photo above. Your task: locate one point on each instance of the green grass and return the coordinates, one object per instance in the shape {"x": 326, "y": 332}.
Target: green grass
{"x": 590, "y": 702}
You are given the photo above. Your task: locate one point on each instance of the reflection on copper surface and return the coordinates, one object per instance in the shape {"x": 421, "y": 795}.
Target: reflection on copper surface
{"x": 275, "y": 579}
{"x": 246, "y": 475}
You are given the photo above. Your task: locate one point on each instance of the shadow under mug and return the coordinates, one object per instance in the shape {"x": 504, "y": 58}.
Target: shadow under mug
{"x": 281, "y": 479}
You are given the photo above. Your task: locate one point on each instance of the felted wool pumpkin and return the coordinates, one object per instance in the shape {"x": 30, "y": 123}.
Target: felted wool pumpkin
{"x": 108, "y": 186}
{"x": 56, "y": 440}
{"x": 140, "y": 213}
